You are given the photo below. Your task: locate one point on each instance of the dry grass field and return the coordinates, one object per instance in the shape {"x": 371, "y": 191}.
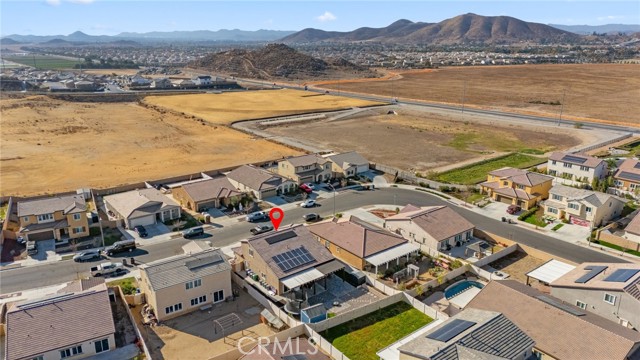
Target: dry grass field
{"x": 228, "y": 107}
{"x": 424, "y": 141}
{"x": 608, "y": 92}
{"x": 50, "y": 146}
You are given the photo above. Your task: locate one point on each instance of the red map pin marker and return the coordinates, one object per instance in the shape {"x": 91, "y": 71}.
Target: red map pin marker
{"x": 276, "y": 215}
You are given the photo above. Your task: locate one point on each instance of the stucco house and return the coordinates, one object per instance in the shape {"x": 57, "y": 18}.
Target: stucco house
{"x": 306, "y": 168}
{"x": 184, "y": 283}
{"x": 582, "y": 207}
{"x": 570, "y": 169}
{"x": 205, "y": 194}
{"x": 60, "y": 217}
{"x": 260, "y": 182}
{"x": 627, "y": 177}
{"x": 435, "y": 227}
{"x": 610, "y": 290}
{"x": 141, "y": 207}
{"x": 75, "y": 324}
{"x": 517, "y": 187}
{"x": 348, "y": 164}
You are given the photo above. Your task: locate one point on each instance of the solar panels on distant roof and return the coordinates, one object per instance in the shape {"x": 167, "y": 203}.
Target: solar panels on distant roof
{"x": 574, "y": 159}
{"x": 450, "y": 330}
{"x": 293, "y": 258}
{"x": 561, "y": 306}
{"x": 621, "y": 275}
{"x": 209, "y": 260}
{"x": 281, "y": 236}
{"x": 629, "y": 176}
{"x": 637, "y": 165}
{"x": 593, "y": 271}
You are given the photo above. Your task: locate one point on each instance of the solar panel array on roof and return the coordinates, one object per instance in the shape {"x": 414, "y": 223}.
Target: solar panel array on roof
{"x": 593, "y": 271}
{"x": 450, "y": 330}
{"x": 279, "y": 237}
{"x": 637, "y": 165}
{"x": 293, "y": 258}
{"x": 559, "y": 305}
{"x": 198, "y": 263}
{"x": 630, "y": 176}
{"x": 574, "y": 159}
{"x": 621, "y": 275}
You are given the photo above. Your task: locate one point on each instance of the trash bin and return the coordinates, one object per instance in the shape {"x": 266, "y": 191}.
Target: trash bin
{"x": 133, "y": 261}
{"x": 124, "y": 262}
{"x": 504, "y": 219}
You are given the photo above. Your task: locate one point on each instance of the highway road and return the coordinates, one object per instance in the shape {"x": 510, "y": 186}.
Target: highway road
{"x": 13, "y": 280}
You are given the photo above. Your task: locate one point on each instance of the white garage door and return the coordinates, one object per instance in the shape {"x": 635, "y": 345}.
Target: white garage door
{"x": 145, "y": 220}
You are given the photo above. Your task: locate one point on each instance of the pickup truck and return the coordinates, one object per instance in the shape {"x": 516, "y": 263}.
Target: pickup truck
{"x": 106, "y": 269}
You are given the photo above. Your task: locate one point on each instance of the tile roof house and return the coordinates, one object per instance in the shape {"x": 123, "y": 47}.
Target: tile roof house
{"x": 142, "y": 207}
{"x": 260, "y": 182}
{"x": 517, "y": 187}
{"x": 560, "y": 331}
{"x": 582, "y": 207}
{"x": 470, "y": 334}
{"x": 183, "y": 283}
{"x": 306, "y": 168}
{"x": 348, "y": 164}
{"x": 611, "y": 290}
{"x": 573, "y": 169}
{"x": 78, "y": 325}
{"x": 355, "y": 242}
{"x": 434, "y": 227}
{"x": 627, "y": 176}
{"x": 288, "y": 258}
{"x": 205, "y": 194}
{"x": 57, "y": 218}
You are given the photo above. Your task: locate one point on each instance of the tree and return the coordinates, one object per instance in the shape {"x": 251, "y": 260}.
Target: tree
{"x": 419, "y": 290}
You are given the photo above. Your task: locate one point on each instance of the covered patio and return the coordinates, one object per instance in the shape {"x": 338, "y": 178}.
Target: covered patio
{"x": 549, "y": 271}
{"x": 395, "y": 253}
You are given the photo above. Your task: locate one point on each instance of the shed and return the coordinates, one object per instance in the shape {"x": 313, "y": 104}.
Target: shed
{"x": 313, "y": 314}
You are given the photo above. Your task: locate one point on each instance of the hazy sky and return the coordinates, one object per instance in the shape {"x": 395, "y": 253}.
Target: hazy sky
{"x": 110, "y": 17}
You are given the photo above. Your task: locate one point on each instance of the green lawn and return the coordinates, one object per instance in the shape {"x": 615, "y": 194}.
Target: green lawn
{"x": 616, "y": 247}
{"x": 361, "y": 338}
{"x": 535, "y": 220}
{"x": 43, "y": 61}
{"x": 128, "y": 285}
{"x": 475, "y": 173}
{"x": 557, "y": 227}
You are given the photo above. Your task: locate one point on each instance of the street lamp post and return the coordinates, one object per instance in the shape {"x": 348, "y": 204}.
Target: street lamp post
{"x": 334, "y": 199}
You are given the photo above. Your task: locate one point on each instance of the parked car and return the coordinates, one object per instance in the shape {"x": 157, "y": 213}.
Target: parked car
{"x": 513, "y": 209}
{"x": 108, "y": 268}
{"x": 309, "y": 185}
{"x": 308, "y": 203}
{"x": 142, "y": 232}
{"x": 32, "y": 249}
{"x": 261, "y": 229}
{"x": 256, "y": 216}
{"x": 120, "y": 246}
{"x": 306, "y": 189}
{"x": 87, "y": 255}
{"x": 311, "y": 217}
{"x": 193, "y": 232}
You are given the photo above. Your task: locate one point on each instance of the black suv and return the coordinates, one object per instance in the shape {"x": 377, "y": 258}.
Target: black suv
{"x": 193, "y": 232}
{"x": 120, "y": 246}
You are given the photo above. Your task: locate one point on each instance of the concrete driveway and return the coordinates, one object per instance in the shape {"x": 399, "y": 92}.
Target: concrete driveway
{"x": 152, "y": 231}
{"x": 498, "y": 210}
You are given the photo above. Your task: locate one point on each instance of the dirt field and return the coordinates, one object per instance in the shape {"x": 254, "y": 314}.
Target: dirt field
{"x": 228, "y": 107}
{"x": 421, "y": 140}
{"x": 50, "y": 146}
{"x": 517, "y": 265}
{"x": 593, "y": 91}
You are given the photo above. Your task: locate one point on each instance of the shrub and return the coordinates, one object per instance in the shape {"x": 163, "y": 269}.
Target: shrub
{"x": 456, "y": 264}
{"x": 424, "y": 185}
{"x": 128, "y": 288}
{"x": 528, "y": 213}
{"x": 339, "y": 215}
{"x": 577, "y": 125}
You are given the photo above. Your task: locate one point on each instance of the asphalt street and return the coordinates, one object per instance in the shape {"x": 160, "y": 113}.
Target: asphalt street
{"x": 22, "y": 278}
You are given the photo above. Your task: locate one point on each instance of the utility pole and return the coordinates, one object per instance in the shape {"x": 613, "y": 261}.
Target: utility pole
{"x": 562, "y": 105}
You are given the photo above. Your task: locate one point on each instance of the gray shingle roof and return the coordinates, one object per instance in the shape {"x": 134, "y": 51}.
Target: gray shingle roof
{"x": 255, "y": 178}
{"x": 218, "y": 188}
{"x": 59, "y": 321}
{"x": 68, "y": 204}
{"x": 493, "y": 334}
{"x": 183, "y": 268}
{"x": 594, "y": 198}
{"x": 438, "y": 221}
{"x": 347, "y": 159}
{"x": 136, "y": 203}
{"x": 306, "y": 160}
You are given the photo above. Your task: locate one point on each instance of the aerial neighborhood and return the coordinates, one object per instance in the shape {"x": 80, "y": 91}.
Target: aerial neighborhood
{"x": 467, "y": 189}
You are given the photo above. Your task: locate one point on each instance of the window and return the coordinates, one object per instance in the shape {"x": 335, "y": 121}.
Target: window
{"x": 633, "y": 186}
{"x": 25, "y": 218}
{"x": 609, "y": 299}
{"x": 193, "y": 284}
{"x": 251, "y": 252}
{"x": 173, "y": 308}
{"x": 102, "y": 345}
{"x": 39, "y": 357}
{"x": 618, "y": 183}
{"x": 412, "y": 235}
{"x": 505, "y": 183}
{"x": 581, "y": 305}
{"x": 469, "y": 233}
{"x": 77, "y": 230}
{"x": 45, "y": 217}
{"x": 458, "y": 237}
{"x": 574, "y": 206}
{"x": 584, "y": 168}
{"x": 76, "y": 216}
{"x": 218, "y": 296}
{"x": 567, "y": 165}
{"x": 556, "y": 197}
{"x": 199, "y": 300}
{"x": 72, "y": 351}
{"x": 521, "y": 187}
{"x": 553, "y": 162}
{"x": 552, "y": 210}
{"x": 587, "y": 209}
{"x": 537, "y": 355}
{"x": 553, "y": 172}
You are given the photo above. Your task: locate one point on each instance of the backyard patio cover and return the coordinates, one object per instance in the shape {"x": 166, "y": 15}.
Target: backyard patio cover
{"x": 550, "y": 271}
{"x": 303, "y": 277}
{"x": 392, "y": 254}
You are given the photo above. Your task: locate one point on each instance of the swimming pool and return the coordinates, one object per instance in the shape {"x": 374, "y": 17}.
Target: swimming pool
{"x": 459, "y": 287}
